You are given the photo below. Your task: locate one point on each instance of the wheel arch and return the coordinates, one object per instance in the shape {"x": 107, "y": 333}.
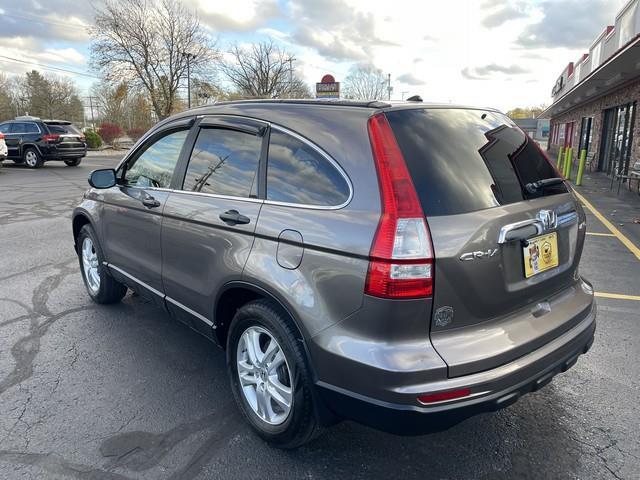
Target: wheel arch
{"x": 80, "y": 219}
{"x": 230, "y": 295}
{"x": 234, "y": 295}
{"x": 25, "y": 146}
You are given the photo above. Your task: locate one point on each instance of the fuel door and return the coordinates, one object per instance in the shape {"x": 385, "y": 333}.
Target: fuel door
{"x": 290, "y": 249}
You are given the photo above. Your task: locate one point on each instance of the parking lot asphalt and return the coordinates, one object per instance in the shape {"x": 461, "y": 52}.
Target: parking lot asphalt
{"x": 125, "y": 392}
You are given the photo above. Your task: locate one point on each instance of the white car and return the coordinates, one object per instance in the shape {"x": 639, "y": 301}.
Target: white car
{"x": 3, "y": 148}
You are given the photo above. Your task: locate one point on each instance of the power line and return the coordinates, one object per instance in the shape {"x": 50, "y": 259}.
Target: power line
{"x": 48, "y": 67}
{"x": 39, "y": 19}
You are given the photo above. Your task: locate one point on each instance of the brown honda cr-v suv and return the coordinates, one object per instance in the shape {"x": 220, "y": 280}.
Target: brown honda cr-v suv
{"x": 403, "y": 265}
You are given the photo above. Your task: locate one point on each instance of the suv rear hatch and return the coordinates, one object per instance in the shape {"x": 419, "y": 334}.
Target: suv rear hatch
{"x": 506, "y": 252}
{"x": 67, "y": 136}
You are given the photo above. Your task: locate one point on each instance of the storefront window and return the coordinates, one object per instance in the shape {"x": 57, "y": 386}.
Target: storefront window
{"x": 617, "y": 139}
{"x": 585, "y": 134}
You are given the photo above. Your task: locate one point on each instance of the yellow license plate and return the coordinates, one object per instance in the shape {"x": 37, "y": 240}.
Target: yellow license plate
{"x": 540, "y": 254}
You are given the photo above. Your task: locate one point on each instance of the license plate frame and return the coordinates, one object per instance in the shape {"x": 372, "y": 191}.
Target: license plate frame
{"x": 540, "y": 254}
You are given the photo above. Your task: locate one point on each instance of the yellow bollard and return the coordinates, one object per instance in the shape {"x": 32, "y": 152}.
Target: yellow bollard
{"x": 559, "y": 162}
{"x": 581, "y": 164}
{"x": 567, "y": 163}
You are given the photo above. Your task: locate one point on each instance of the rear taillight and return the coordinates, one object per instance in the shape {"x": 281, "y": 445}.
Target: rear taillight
{"x": 401, "y": 257}
{"x": 1, "y": 136}
{"x": 51, "y": 137}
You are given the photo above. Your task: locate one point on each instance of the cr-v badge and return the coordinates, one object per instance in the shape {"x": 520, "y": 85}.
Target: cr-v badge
{"x": 478, "y": 255}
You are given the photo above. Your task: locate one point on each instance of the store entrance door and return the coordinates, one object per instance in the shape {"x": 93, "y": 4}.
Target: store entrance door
{"x": 617, "y": 138}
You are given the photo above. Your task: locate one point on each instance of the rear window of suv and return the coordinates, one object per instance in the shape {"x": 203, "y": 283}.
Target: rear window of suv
{"x": 63, "y": 128}
{"x": 463, "y": 160}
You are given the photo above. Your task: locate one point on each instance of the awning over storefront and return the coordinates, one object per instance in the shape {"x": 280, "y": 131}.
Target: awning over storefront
{"x": 621, "y": 68}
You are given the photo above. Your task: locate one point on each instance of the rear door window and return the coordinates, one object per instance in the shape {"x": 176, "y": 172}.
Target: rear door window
{"x": 4, "y": 128}
{"x": 463, "y": 160}
{"x": 18, "y": 127}
{"x": 297, "y": 173}
{"x": 224, "y": 162}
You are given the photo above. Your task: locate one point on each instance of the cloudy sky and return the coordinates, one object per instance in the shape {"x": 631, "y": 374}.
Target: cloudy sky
{"x": 502, "y": 53}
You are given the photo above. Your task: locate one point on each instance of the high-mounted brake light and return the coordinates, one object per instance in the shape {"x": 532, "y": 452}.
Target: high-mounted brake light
{"x": 51, "y": 137}
{"x": 401, "y": 257}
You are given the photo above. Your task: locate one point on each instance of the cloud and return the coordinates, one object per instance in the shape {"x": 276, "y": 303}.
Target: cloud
{"x": 567, "y": 23}
{"x": 410, "y": 79}
{"x": 335, "y": 29}
{"x": 504, "y": 13}
{"x": 469, "y": 75}
{"x": 236, "y": 15}
{"x": 486, "y": 71}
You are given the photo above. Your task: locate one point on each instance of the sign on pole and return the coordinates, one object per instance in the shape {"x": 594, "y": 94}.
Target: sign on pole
{"x": 328, "y": 88}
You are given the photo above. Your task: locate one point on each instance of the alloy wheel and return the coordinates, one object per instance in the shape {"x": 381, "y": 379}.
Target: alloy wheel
{"x": 265, "y": 377}
{"x": 90, "y": 265}
{"x": 31, "y": 159}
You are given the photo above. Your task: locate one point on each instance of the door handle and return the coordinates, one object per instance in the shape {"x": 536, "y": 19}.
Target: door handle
{"x": 232, "y": 217}
{"x": 150, "y": 202}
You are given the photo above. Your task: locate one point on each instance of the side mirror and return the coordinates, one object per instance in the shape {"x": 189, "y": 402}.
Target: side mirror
{"x": 103, "y": 178}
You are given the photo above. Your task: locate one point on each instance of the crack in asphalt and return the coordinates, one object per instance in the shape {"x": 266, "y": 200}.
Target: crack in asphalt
{"x": 57, "y": 465}
{"x": 25, "y": 349}
{"x": 139, "y": 450}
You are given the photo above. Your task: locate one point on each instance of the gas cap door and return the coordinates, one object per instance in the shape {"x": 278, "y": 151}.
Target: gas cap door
{"x": 290, "y": 249}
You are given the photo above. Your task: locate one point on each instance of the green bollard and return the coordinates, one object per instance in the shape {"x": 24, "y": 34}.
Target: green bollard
{"x": 581, "y": 164}
{"x": 567, "y": 160}
{"x": 559, "y": 162}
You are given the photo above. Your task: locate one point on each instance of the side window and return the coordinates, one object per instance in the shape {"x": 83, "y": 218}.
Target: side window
{"x": 4, "y": 128}
{"x": 155, "y": 166}
{"x": 296, "y": 173}
{"x": 31, "y": 128}
{"x": 223, "y": 162}
{"x": 18, "y": 128}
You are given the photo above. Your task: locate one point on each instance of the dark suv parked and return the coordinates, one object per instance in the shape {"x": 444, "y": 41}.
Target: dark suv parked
{"x": 33, "y": 141}
{"x": 404, "y": 265}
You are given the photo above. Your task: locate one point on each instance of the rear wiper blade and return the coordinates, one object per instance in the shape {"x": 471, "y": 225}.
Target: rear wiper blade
{"x": 533, "y": 187}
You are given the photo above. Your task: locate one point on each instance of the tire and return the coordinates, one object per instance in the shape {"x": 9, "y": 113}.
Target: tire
{"x": 32, "y": 158}
{"x": 100, "y": 285}
{"x": 299, "y": 425}
{"x": 74, "y": 162}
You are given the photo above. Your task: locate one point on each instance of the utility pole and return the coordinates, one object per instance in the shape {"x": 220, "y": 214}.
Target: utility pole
{"x": 290, "y": 76}
{"x": 93, "y": 124}
{"x": 189, "y": 56}
{"x": 389, "y": 85}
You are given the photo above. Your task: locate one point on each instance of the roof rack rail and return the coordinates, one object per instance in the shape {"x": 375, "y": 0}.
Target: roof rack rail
{"x": 310, "y": 101}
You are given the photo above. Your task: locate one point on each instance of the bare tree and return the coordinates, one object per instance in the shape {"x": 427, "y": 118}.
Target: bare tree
{"x": 47, "y": 96}
{"x": 123, "y": 105}
{"x": 365, "y": 82}
{"x": 146, "y": 42}
{"x": 263, "y": 70}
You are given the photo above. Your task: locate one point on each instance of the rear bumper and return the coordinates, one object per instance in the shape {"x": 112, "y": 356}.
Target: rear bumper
{"x": 65, "y": 154}
{"x": 491, "y": 390}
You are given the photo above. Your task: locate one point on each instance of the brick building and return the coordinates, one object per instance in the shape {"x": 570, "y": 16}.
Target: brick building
{"x": 595, "y": 100}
